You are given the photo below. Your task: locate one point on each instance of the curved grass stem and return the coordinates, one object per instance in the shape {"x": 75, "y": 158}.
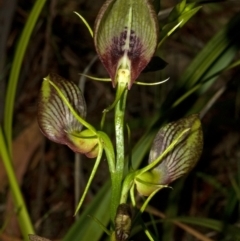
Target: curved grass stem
{"x": 19, "y": 203}
{"x": 15, "y": 70}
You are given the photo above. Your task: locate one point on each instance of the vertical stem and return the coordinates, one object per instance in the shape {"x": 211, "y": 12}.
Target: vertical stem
{"x": 119, "y": 132}
{"x": 22, "y": 214}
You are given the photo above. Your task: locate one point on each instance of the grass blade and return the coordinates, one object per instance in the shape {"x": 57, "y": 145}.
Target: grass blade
{"x": 15, "y": 70}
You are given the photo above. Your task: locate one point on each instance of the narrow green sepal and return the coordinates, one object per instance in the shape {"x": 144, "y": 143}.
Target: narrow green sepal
{"x": 94, "y": 170}
{"x": 101, "y": 225}
{"x": 177, "y": 19}
{"x": 177, "y": 11}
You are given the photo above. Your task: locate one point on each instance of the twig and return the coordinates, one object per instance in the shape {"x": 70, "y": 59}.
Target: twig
{"x": 185, "y": 227}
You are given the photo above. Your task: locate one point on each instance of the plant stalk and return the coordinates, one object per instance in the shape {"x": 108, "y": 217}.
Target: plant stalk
{"x": 19, "y": 203}
{"x": 117, "y": 176}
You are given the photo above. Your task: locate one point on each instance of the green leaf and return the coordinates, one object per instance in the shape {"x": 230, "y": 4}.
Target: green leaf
{"x": 174, "y": 24}
{"x": 183, "y": 157}
{"x": 16, "y": 67}
{"x": 85, "y": 228}
{"x": 125, "y": 36}
{"x": 177, "y": 11}
{"x": 216, "y": 55}
{"x": 203, "y": 71}
{"x": 19, "y": 203}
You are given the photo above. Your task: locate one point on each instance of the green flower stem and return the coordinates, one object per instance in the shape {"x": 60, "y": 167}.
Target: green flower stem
{"x": 20, "y": 207}
{"x": 117, "y": 176}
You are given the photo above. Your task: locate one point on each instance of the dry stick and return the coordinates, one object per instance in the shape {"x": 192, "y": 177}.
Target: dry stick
{"x": 41, "y": 185}
{"x": 6, "y": 237}
{"x": 212, "y": 101}
{"x": 56, "y": 208}
{"x": 185, "y": 227}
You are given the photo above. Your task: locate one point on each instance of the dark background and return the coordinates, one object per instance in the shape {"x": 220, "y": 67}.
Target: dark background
{"x": 62, "y": 44}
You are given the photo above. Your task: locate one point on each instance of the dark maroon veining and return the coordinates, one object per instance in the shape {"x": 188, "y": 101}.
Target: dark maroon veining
{"x": 116, "y": 51}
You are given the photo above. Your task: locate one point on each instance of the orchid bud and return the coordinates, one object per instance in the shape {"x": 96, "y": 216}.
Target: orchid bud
{"x": 57, "y": 120}
{"x": 125, "y": 37}
{"x": 123, "y": 222}
{"x": 187, "y": 136}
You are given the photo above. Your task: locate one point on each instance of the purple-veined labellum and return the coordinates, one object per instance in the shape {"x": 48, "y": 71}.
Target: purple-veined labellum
{"x": 33, "y": 237}
{"x": 125, "y": 36}
{"x": 55, "y": 118}
{"x": 175, "y": 151}
{"x": 184, "y": 155}
{"x": 123, "y": 222}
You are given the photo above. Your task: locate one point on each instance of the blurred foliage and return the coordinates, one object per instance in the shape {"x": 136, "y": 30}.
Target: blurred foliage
{"x": 198, "y": 55}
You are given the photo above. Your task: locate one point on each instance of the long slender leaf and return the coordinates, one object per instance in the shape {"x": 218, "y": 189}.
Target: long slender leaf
{"x": 216, "y": 55}
{"x": 85, "y": 228}
{"x": 5, "y": 147}
{"x": 16, "y": 66}
{"x": 22, "y": 214}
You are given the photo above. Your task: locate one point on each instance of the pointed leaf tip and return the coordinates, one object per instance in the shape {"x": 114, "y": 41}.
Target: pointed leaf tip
{"x": 54, "y": 117}
{"x": 125, "y": 36}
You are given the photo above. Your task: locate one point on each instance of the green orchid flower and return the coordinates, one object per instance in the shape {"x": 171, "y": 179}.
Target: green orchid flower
{"x": 175, "y": 151}
{"x": 126, "y": 37}
{"x": 62, "y": 123}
